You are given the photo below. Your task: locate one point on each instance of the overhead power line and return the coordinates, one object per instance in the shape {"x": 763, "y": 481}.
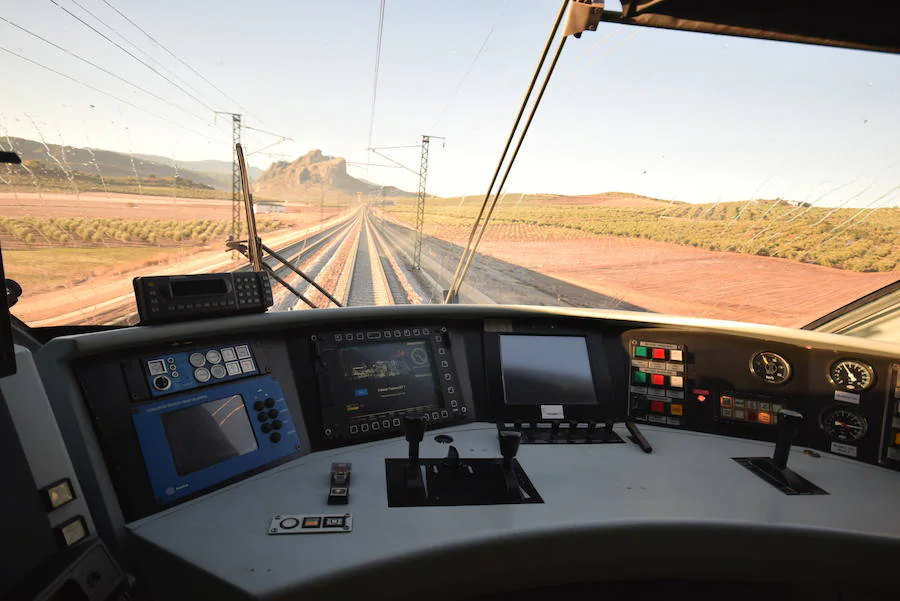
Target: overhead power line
{"x": 143, "y": 52}
{"x": 269, "y": 133}
{"x": 173, "y": 55}
{"x": 99, "y": 91}
{"x": 104, "y": 70}
{"x": 129, "y": 53}
{"x": 377, "y": 66}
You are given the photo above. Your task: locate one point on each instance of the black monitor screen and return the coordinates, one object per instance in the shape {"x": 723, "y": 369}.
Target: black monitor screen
{"x": 384, "y": 377}
{"x": 206, "y": 434}
{"x": 546, "y": 370}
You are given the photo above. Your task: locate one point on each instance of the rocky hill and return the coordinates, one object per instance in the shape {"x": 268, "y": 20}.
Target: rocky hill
{"x": 313, "y": 175}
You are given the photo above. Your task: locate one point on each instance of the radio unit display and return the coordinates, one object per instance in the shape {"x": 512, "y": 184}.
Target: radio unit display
{"x": 201, "y": 439}
{"x": 371, "y": 379}
{"x": 209, "y": 433}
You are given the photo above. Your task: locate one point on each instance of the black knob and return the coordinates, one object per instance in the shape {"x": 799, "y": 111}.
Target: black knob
{"x": 573, "y": 429}
{"x": 554, "y": 430}
{"x": 788, "y": 424}
{"x": 509, "y": 446}
{"x": 414, "y": 428}
{"x": 266, "y": 428}
{"x": 414, "y": 431}
{"x": 592, "y": 426}
{"x": 270, "y": 402}
{"x": 273, "y": 413}
{"x": 262, "y": 416}
{"x": 258, "y": 406}
{"x": 276, "y": 424}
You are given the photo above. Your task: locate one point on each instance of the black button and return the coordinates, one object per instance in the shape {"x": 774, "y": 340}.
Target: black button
{"x": 270, "y": 402}
{"x": 273, "y": 413}
{"x": 277, "y": 424}
{"x": 266, "y": 428}
{"x": 258, "y": 406}
{"x": 262, "y": 416}
{"x": 275, "y": 436}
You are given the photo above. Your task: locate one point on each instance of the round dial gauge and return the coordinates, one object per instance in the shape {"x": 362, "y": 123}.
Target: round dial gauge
{"x": 419, "y": 356}
{"x": 770, "y": 367}
{"x": 844, "y": 425}
{"x": 851, "y": 375}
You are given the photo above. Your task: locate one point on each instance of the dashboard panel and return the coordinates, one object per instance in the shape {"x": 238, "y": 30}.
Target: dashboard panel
{"x": 309, "y": 389}
{"x": 259, "y": 409}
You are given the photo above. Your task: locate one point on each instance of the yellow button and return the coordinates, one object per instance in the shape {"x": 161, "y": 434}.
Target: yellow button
{"x": 897, "y": 438}
{"x": 676, "y": 409}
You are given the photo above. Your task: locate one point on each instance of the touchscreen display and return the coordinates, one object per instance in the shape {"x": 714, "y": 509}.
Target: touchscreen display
{"x": 546, "y": 370}
{"x": 376, "y": 378}
{"x": 206, "y": 434}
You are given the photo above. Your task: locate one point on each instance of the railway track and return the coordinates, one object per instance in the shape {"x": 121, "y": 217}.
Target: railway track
{"x": 363, "y": 259}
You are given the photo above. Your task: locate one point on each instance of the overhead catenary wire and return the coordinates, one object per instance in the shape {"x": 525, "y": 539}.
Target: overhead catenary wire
{"x": 468, "y": 254}
{"x": 176, "y": 57}
{"x": 131, "y": 54}
{"x": 136, "y": 47}
{"x": 105, "y": 93}
{"x": 375, "y": 75}
{"x": 105, "y": 70}
{"x": 471, "y": 66}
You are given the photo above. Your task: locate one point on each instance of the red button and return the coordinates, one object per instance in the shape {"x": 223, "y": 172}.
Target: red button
{"x": 657, "y": 379}
{"x": 657, "y": 407}
{"x": 659, "y": 353}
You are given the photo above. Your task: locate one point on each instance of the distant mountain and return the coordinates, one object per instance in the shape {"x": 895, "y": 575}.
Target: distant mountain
{"x": 312, "y": 175}
{"x": 112, "y": 164}
{"x": 220, "y": 170}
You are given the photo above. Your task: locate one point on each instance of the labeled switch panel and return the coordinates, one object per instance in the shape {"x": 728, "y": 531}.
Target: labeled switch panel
{"x": 758, "y": 410}
{"x": 657, "y": 382}
{"x": 298, "y": 523}
{"x": 177, "y": 372}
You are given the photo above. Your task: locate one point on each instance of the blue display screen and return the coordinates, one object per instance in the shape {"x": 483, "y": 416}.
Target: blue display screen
{"x": 206, "y": 434}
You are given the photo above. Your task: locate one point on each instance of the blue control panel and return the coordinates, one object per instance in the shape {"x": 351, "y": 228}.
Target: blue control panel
{"x": 177, "y": 372}
{"x": 197, "y": 440}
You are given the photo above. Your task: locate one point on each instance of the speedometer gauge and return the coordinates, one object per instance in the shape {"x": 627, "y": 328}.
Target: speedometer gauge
{"x": 771, "y": 367}
{"x": 851, "y": 375}
{"x": 844, "y": 425}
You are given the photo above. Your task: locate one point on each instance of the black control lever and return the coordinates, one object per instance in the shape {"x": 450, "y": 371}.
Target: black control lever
{"x": 788, "y": 425}
{"x": 414, "y": 430}
{"x": 509, "y": 446}
{"x": 774, "y": 470}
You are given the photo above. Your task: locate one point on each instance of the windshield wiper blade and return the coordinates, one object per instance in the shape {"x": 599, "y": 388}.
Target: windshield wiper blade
{"x": 254, "y": 247}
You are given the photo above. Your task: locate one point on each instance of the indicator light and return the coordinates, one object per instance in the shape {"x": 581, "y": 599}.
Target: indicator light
{"x": 764, "y": 417}
{"x": 676, "y": 409}
{"x": 659, "y": 353}
{"x": 640, "y": 377}
{"x": 657, "y": 407}
{"x": 676, "y": 355}
{"x": 72, "y": 532}
{"x": 57, "y": 494}
{"x": 701, "y": 398}
{"x": 897, "y": 438}
{"x": 640, "y": 351}
{"x": 657, "y": 379}
{"x": 726, "y": 401}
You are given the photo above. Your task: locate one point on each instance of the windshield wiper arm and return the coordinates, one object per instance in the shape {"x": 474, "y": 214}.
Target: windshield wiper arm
{"x": 254, "y": 247}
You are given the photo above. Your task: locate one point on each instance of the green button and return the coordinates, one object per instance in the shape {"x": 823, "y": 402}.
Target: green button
{"x": 640, "y": 351}
{"x": 640, "y": 377}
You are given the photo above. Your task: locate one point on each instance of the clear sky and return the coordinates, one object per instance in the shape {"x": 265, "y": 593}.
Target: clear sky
{"x": 667, "y": 114}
